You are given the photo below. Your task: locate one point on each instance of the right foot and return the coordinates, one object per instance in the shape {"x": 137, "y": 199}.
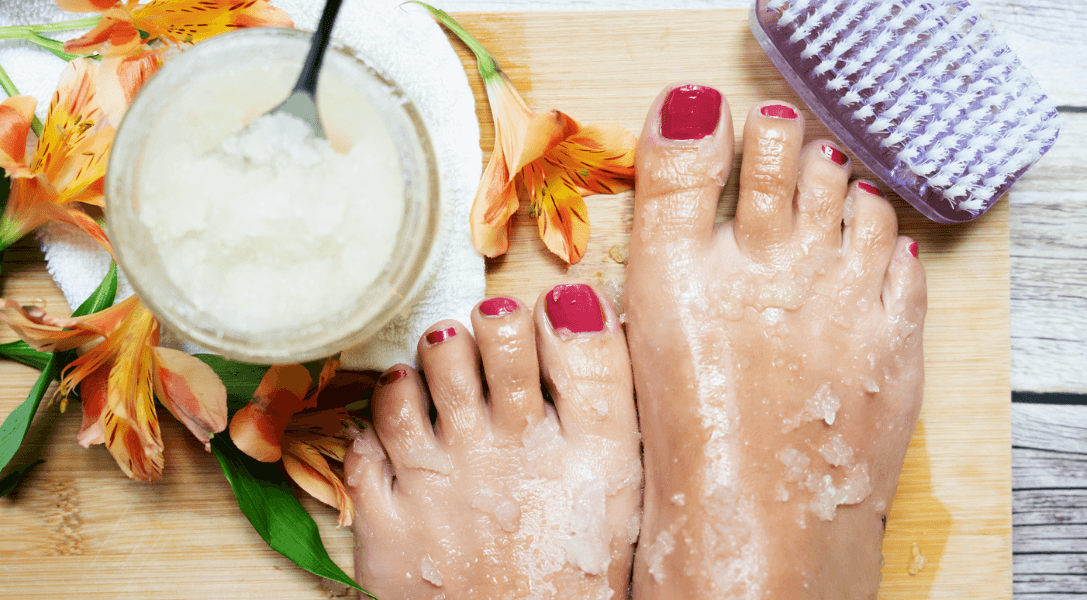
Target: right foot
{"x": 514, "y": 497}
{"x": 777, "y": 359}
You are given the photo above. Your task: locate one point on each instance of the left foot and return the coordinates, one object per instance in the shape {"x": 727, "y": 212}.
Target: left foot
{"x": 512, "y": 496}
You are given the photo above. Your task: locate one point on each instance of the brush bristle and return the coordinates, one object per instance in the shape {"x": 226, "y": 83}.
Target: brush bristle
{"x": 925, "y": 93}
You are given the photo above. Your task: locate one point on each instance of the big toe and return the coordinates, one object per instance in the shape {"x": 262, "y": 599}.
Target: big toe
{"x": 584, "y": 362}
{"x": 682, "y": 162}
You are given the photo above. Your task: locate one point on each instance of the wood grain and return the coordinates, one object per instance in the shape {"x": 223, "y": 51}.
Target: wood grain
{"x": 78, "y": 527}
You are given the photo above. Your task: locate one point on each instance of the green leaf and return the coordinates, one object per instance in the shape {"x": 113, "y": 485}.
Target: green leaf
{"x": 17, "y": 424}
{"x": 20, "y": 351}
{"x": 9, "y": 482}
{"x": 241, "y": 379}
{"x": 267, "y": 501}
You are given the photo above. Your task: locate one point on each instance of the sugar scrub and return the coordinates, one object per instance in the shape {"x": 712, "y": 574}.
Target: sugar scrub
{"x": 271, "y": 227}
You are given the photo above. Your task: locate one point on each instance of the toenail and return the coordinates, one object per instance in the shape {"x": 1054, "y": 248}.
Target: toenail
{"x": 690, "y": 112}
{"x": 439, "y": 336}
{"x": 392, "y": 376}
{"x": 496, "y": 307}
{"x": 779, "y": 111}
{"x": 833, "y": 154}
{"x": 867, "y": 187}
{"x": 574, "y": 308}
{"x": 914, "y": 250}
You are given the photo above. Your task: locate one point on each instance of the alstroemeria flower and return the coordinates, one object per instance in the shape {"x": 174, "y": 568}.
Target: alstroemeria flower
{"x": 284, "y": 422}
{"x": 69, "y": 161}
{"x": 547, "y": 156}
{"x": 119, "y": 378}
{"x": 127, "y": 24}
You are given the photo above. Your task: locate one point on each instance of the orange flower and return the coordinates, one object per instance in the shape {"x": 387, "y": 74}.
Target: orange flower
{"x": 69, "y": 161}
{"x": 120, "y": 377}
{"x": 546, "y": 156}
{"x": 127, "y": 25}
{"x": 283, "y": 422}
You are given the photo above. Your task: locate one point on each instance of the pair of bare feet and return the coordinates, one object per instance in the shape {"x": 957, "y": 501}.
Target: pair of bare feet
{"x": 778, "y": 367}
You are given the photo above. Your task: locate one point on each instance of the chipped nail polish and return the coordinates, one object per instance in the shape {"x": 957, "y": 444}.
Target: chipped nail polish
{"x": 867, "y": 187}
{"x": 779, "y": 111}
{"x": 913, "y": 249}
{"x": 690, "y": 112}
{"x": 833, "y": 154}
{"x": 439, "y": 336}
{"x": 574, "y": 308}
{"x": 392, "y": 376}
{"x": 496, "y": 307}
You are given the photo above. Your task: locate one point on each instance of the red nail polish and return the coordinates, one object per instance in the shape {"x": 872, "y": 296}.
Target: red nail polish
{"x": 496, "y": 307}
{"x": 690, "y": 112}
{"x": 779, "y": 111}
{"x": 867, "y": 187}
{"x": 574, "y": 307}
{"x": 833, "y": 154}
{"x": 439, "y": 336}
{"x": 913, "y": 249}
{"x": 392, "y": 376}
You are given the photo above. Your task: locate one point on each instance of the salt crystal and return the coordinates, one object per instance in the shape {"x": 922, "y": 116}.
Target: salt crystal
{"x": 429, "y": 571}
{"x": 503, "y": 509}
{"x": 589, "y": 547}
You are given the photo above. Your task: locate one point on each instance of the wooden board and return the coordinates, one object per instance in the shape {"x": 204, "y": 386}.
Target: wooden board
{"x": 79, "y": 528}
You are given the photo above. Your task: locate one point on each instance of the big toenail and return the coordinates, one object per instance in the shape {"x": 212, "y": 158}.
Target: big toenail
{"x": 496, "y": 307}
{"x": 439, "y": 336}
{"x": 690, "y": 112}
{"x": 574, "y": 308}
{"x": 833, "y": 154}
{"x": 913, "y": 249}
{"x": 392, "y": 376}
{"x": 779, "y": 111}
{"x": 867, "y": 187}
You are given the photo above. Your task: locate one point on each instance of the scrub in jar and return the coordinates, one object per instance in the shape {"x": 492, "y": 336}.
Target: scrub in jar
{"x": 260, "y": 234}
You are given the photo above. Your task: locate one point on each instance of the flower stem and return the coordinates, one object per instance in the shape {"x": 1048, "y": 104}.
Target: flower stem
{"x": 484, "y": 61}
{"x": 9, "y": 87}
{"x": 45, "y": 27}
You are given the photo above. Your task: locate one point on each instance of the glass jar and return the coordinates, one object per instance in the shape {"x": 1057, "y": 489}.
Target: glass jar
{"x": 190, "y": 265}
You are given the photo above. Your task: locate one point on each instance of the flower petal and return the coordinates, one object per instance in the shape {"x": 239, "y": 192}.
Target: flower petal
{"x": 92, "y": 393}
{"x": 115, "y": 35}
{"x": 127, "y": 445}
{"x": 598, "y": 159}
{"x": 495, "y": 203}
{"x": 120, "y": 77}
{"x": 309, "y": 469}
{"x": 562, "y": 217}
{"x": 84, "y": 6}
{"x": 192, "y": 392}
{"x": 257, "y": 429}
{"x": 44, "y": 332}
{"x": 188, "y": 21}
{"x": 16, "y": 114}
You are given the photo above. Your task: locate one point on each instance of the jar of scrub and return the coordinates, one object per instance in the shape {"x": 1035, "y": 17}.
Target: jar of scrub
{"x": 248, "y": 236}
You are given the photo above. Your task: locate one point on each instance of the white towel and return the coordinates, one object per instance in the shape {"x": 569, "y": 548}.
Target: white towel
{"x": 402, "y": 40}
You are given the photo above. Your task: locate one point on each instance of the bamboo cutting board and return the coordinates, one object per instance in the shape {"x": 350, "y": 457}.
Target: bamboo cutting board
{"x": 78, "y": 528}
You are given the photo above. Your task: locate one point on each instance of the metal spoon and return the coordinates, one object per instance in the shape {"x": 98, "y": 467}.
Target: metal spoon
{"x": 302, "y": 103}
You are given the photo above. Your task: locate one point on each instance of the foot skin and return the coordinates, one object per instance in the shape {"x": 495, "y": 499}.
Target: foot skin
{"x": 777, "y": 358}
{"x": 513, "y": 496}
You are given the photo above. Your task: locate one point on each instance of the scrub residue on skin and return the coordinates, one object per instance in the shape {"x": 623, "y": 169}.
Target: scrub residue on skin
{"x": 267, "y": 227}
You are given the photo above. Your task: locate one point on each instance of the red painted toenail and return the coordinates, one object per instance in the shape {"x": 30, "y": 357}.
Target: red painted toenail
{"x": 779, "y": 111}
{"x": 574, "y": 307}
{"x": 439, "y": 336}
{"x": 913, "y": 249}
{"x": 392, "y": 376}
{"x": 496, "y": 307}
{"x": 867, "y": 187}
{"x": 690, "y": 112}
{"x": 833, "y": 154}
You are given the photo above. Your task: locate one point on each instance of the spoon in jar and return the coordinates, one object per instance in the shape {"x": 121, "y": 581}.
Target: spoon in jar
{"x": 302, "y": 103}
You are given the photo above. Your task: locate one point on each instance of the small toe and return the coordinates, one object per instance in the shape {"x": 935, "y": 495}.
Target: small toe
{"x": 584, "y": 362}
{"x": 369, "y": 476}
{"x": 773, "y": 135}
{"x": 821, "y": 188}
{"x": 401, "y": 418}
{"x": 450, "y": 361}
{"x": 507, "y": 346}
{"x": 905, "y": 289}
{"x": 869, "y": 237}
{"x": 682, "y": 162}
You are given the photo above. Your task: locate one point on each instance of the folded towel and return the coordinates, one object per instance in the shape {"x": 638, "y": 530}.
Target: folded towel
{"x": 404, "y": 42}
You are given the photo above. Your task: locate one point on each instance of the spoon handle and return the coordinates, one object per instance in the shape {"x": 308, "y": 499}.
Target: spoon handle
{"x": 307, "y": 80}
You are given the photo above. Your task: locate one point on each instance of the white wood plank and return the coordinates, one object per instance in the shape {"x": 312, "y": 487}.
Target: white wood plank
{"x": 1050, "y": 427}
{"x": 1048, "y": 470}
